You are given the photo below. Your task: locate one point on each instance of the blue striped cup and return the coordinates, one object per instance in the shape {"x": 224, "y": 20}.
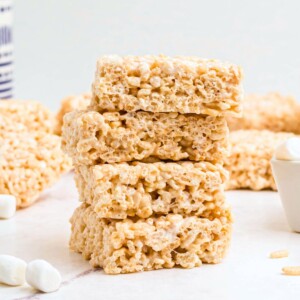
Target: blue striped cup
{"x": 6, "y": 50}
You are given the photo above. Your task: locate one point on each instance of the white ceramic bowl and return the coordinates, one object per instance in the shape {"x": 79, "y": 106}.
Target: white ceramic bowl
{"x": 287, "y": 178}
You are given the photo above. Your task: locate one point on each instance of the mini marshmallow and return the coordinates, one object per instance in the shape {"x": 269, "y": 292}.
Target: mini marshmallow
{"x": 43, "y": 276}
{"x": 12, "y": 270}
{"x": 289, "y": 150}
{"x": 8, "y": 205}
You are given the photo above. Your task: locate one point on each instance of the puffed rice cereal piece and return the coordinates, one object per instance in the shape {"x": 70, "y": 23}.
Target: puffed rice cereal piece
{"x": 166, "y": 84}
{"x": 134, "y": 245}
{"x": 90, "y": 137}
{"x": 291, "y": 270}
{"x": 279, "y": 254}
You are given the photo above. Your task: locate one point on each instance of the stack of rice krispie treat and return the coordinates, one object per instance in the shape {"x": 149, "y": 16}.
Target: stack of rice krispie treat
{"x": 148, "y": 156}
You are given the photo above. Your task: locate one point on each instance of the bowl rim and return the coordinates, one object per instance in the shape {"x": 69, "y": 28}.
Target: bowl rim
{"x": 282, "y": 161}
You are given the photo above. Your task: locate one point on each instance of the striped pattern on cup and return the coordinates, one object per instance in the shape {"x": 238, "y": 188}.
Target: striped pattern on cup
{"x": 6, "y": 50}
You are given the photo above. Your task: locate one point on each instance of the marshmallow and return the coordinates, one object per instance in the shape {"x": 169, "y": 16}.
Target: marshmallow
{"x": 12, "y": 270}
{"x": 289, "y": 150}
{"x": 43, "y": 276}
{"x": 8, "y": 205}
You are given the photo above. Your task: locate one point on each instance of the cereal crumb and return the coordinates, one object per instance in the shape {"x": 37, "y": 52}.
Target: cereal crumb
{"x": 292, "y": 270}
{"x": 279, "y": 254}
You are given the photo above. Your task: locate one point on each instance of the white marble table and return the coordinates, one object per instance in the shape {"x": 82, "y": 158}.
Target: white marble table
{"x": 42, "y": 231}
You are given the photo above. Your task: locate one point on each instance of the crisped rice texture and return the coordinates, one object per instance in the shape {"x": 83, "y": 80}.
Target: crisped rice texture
{"x": 29, "y": 163}
{"x": 133, "y": 245}
{"x": 249, "y": 163}
{"x": 272, "y": 112}
{"x": 166, "y": 84}
{"x": 90, "y": 137}
{"x": 68, "y": 104}
{"x": 33, "y": 115}
{"x": 8, "y": 126}
{"x": 143, "y": 189}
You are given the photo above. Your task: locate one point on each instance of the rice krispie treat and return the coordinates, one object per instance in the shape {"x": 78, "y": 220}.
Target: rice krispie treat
{"x": 33, "y": 115}
{"x": 90, "y": 137}
{"x": 133, "y": 245}
{"x": 29, "y": 163}
{"x": 272, "y": 112}
{"x": 166, "y": 84}
{"x": 71, "y": 103}
{"x": 249, "y": 162}
{"x": 143, "y": 189}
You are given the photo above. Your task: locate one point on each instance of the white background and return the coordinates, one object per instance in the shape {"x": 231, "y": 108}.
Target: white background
{"x": 57, "y": 42}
